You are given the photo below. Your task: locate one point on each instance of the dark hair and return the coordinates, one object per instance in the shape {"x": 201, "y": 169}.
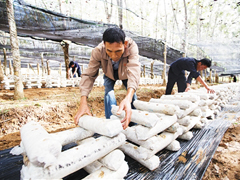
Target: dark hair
{"x": 206, "y": 62}
{"x": 114, "y": 34}
{"x": 71, "y": 63}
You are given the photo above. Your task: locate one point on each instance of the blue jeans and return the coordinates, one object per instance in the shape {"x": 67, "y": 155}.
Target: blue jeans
{"x": 109, "y": 97}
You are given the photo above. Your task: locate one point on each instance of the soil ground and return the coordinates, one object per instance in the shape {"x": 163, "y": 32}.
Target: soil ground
{"x": 55, "y": 108}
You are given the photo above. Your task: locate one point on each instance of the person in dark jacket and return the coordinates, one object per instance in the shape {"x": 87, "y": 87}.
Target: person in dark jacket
{"x": 176, "y": 74}
{"x": 75, "y": 69}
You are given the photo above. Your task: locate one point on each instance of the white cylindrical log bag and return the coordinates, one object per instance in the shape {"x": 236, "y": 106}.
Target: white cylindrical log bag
{"x": 41, "y": 148}
{"x": 101, "y": 126}
{"x": 167, "y": 109}
{"x": 140, "y": 117}
{"x": 182, "y": 104}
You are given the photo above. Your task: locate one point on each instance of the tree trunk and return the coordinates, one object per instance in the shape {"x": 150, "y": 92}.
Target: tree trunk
{"x": 65, "y": 47}
{"x": 108, "y": 14}
{"x": 185, "y": 28}
{"x": 60, "y": 69}
{"x": 42, "y": 64}
{"x": 32, "y": 68}
{"x": 164, "y": 66}
{"x": 5, "y": 61}
{"x": 48, "y": 68}
{"x": 126, "y": 15}
{"x": 144, "y": 71}
{"x": 1, "y": 72}
{"x": 18, "y": 85}
{"x": 10, "y": 67}
{"x": 156, "y": 35}
{"x": 166, "y": 20}
{"x": 152, "y": 75}
{"x": 38, "y": 69}
{"x": 120, "y": 13}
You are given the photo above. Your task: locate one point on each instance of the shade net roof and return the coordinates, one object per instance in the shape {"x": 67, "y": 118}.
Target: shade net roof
{"x": 43, "y": 24}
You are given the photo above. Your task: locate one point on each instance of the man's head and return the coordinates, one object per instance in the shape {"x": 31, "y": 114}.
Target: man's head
{"x": 71, "y": 64}
{"x": 204, "y": 64}
{"x": 114, "y": 41}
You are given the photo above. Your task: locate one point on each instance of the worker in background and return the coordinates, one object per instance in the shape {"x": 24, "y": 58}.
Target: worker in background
{"x": 176, "y": 74}
{"x": 234, "y": 78}
{"x": 75, "y": 70}
{"x": 118, "y": 57}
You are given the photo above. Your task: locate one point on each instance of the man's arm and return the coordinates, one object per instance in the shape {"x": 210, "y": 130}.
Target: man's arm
{"x": 126, "y": 106}
{"x": 83, "y": 109}
{"x": 75, "y": 71}
{"x": 205, "y": 85}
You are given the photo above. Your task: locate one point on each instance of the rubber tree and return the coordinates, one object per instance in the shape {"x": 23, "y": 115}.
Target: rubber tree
{"x": 120, "y": 13}
{"x": 18, "y": 85}
{"x": 108, "y": 14}
{"x": 65, "y": 47}
{"x": 1, "y": 72}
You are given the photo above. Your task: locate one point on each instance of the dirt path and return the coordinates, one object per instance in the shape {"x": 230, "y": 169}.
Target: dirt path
{"x": 55, "y": 108}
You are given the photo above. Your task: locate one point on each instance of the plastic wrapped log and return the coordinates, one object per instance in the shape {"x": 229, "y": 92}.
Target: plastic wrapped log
{"x": 202, "y": 103}
{"x": 182, "y": 96}
{"x": 173, "y": 146}
{"x": 113, "y": 160}
{"x": 194, "y": 120}
{"x": 201, "y": 94}
{"x": 207, "y": 113}
{"x": 204, "y": 120}
{"x": 41, "y": 148}
{"x": 184, "y": 121}
{"x": 167, "y": 109}
{"x": 196, "y": 112}
{"x": 72, "y": 135}
{"x": 182, "y": 104}
{"x": 87, "y": 140}
{"x": 131, "y": 150}
{"x": 140, "y": 117}
{"x": 198, "y": 125}
{"x": 186, "y": 136}
{"x": 74, "y": 159}
{"x": 101, "y": 126}
{"x": 173, "y": 128}
{"x": 141, "y": 152}
{"x": 105, "y": 173}
{"x": 94, "y": 166}
{"x": 212, "y": 107}
{"x": 144, "y": 133}
{"x": 159, "y": 142}
{"x": 130, "y": 133}
{"x": 209, "y": 102}
{"x": 182, "y": 113}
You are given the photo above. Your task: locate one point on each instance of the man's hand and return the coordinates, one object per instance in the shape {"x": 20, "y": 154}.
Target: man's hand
{"x": 83, "y": 109}
{"x": 126, "y": 106}
{"x": 210, "y": 91}
{"x": 188, "y": 87}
